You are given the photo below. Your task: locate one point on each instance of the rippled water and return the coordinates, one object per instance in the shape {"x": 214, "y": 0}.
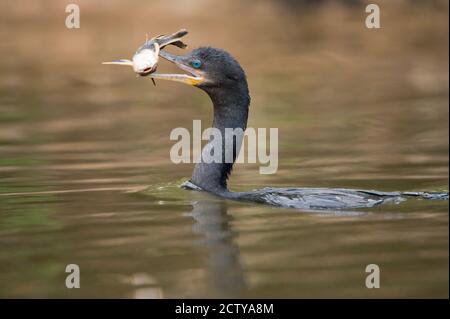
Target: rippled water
{"x": 85, "y": 175}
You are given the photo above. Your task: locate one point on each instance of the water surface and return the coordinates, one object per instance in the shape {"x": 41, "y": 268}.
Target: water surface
{"x": 85, "y": 174}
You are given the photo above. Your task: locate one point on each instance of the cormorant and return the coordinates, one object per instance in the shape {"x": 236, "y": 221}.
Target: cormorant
{"x": 218, "y": 74}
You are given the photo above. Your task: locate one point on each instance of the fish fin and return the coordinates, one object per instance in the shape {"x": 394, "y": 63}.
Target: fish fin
{"x": 120, "y": 62}
{"x": 179, "y": 44}
{"x": 173, "y": 39}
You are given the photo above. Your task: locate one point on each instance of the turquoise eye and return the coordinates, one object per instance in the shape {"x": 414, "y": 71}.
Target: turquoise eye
{"x": 196, "y": 64}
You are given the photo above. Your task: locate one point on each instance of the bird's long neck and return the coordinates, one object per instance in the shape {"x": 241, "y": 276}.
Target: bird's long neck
{"x": 230, "y": 112}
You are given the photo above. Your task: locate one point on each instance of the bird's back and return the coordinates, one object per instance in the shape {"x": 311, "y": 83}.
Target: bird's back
{"x": 330, "y": 198}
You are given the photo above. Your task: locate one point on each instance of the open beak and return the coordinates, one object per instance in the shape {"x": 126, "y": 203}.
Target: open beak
{"x": 194, "y": 77}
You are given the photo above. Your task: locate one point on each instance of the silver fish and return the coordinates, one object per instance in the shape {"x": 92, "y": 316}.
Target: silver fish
{"x": 145, "y": 60}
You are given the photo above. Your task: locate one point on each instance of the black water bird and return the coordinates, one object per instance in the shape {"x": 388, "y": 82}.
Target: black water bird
{"x": 218, "y": 74}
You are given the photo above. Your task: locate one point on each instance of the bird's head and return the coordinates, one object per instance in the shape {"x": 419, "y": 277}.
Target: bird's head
{"x": 207, "y": 68}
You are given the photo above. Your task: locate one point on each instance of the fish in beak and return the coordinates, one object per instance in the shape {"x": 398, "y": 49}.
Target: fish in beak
{"x": 193, "y": 77}
{"x": 145, "y": 60}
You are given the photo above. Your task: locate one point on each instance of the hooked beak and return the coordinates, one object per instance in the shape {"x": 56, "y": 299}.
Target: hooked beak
{"x": 194, "y": 77}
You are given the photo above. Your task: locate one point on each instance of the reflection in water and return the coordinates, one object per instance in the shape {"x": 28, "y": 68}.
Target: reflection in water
{"x": 213, "y": 224}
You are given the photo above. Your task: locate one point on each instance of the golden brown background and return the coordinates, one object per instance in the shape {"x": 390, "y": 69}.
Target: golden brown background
{"x": 355, "y": 108}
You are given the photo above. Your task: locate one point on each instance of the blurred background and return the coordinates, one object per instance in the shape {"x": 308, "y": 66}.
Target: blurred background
{"x": 355, "y": 107}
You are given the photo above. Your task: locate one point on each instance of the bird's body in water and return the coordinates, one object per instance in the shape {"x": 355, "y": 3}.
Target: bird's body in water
{"x": 218, "y": 74}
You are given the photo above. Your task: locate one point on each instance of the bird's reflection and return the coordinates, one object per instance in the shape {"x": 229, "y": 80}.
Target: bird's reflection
{"x": 212, "y": 223}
